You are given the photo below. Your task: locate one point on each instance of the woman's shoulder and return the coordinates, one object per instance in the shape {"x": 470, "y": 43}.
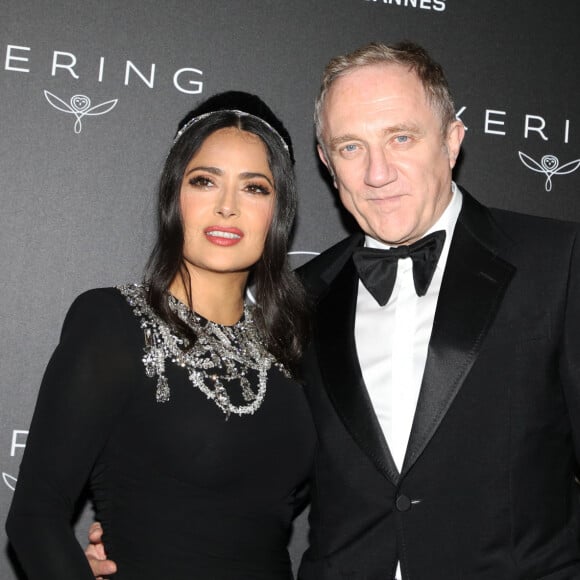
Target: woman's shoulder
{"x": 99, "y": 301}
{"x": 103, "y": 308}
{"x": 99, "y": 296}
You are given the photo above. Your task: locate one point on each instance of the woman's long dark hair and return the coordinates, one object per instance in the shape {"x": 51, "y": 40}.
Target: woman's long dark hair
{"x": 281, "y": 312}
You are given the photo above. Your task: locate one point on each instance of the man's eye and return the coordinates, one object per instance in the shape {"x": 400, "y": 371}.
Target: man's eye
{"x": 402, "y": 138}
{"x": 349, "y": 149}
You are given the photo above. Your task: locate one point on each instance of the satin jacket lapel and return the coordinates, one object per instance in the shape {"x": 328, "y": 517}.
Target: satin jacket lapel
{"x": 341, "y": 371}
{"x": 474, "y": 283}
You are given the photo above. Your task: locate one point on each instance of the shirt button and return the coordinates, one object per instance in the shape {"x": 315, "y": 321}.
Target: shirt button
{"x": 403, "y": 503}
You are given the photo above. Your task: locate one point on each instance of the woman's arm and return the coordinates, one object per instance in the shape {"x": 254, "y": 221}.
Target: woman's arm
{"x": 85, "y": 387}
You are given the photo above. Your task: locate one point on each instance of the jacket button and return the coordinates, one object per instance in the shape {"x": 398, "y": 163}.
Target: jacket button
{"x": 403, "y": 503}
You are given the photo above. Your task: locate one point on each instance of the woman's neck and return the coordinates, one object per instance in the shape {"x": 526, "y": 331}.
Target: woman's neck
{"x": 217, "y": 297}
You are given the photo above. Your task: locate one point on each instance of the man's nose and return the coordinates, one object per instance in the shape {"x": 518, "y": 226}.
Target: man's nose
{"x": 380, "y": 169}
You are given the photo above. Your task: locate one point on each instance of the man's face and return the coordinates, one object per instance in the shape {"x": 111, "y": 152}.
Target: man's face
{"x": 386, "y": 151}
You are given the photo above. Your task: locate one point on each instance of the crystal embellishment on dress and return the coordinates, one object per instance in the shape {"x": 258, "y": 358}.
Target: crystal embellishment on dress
{"x": 220, "y": 357}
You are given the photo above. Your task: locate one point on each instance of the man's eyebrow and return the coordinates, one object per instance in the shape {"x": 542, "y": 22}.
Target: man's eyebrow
{"x": 399, "y": 128}
{"x": 402, "y": 128}
{"x": 336, "y": 141}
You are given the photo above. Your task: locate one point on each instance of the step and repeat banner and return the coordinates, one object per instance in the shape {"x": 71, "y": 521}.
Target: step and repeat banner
{"x": 92, "y": 91}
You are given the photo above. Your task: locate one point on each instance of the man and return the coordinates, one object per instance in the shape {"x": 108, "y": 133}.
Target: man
{"x": 447, "y": 422}
{"x": 447, "y": 407}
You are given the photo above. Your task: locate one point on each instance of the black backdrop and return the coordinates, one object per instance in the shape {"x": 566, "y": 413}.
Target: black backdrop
{"x": 91, "y": 92}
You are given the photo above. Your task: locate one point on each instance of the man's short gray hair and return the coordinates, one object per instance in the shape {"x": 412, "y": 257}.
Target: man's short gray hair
{"x": 407, "y": 54}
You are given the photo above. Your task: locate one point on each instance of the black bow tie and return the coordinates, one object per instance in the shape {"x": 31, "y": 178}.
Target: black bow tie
{"x": 378, "y": 268}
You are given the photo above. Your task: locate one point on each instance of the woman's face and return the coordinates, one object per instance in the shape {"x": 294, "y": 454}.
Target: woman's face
{"x": 227, "y": 201}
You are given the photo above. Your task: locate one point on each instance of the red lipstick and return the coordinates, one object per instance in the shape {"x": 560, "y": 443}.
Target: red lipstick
{"x": 222, "y": 236}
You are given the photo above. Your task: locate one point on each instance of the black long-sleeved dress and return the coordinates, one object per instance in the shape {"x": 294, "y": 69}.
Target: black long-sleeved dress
{"x": 182, "y": 491}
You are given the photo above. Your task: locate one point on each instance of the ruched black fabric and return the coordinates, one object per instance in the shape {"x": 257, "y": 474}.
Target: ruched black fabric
{"x": 182, "y": 493}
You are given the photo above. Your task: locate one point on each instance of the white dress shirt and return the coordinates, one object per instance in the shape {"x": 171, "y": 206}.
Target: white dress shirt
{"x": 392, "y": 340}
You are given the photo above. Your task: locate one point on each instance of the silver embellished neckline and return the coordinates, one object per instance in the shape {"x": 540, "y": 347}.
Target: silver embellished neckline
{"x": 222, "y": 359}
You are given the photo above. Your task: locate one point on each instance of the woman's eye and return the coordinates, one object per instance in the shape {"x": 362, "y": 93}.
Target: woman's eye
{"x": 258, "y": 189}
{"x": 200, "y": 181}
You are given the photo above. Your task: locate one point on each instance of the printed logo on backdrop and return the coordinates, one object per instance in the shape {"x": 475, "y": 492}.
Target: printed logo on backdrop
{"x": 502, "y": 123}
{"x": 79, "y": 106}
{"x": 296, "y": 259}
{"x": 9, "y": 480}
{"x": 65, "y": 66}
{"x": 549, "y": 165}
{"x": 300, "y": 257}
{"x": 435, "y": 5}
{"x": 18, "y": 441}
{"x": 532, "y": 127}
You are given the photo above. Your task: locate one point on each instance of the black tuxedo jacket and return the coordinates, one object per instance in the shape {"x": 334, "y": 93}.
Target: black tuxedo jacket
{"x": 487, "y": 490}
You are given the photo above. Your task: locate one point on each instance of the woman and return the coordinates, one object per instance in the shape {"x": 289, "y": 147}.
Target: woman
{"x": 174, "y": 398}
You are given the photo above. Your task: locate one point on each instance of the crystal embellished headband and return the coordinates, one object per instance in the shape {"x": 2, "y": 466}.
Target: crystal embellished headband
{"x": 237, "y": 112}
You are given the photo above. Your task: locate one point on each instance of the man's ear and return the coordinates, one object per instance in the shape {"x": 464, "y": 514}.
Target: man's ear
{"x": 453, "y": 140}
{"x": 324, "y": 159}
